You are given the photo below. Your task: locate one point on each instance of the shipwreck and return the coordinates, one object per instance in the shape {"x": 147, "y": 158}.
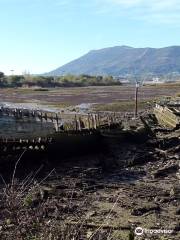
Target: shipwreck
{"x": 168, "y": 114}
{"x": 35, "y": 130}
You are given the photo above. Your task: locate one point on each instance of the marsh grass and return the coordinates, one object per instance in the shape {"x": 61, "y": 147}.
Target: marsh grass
{"x": 124, "y": 106}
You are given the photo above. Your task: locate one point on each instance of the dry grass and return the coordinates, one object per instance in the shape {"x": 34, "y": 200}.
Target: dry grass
{"x": 75, "y": 96}
{"x": 28, "y": 213}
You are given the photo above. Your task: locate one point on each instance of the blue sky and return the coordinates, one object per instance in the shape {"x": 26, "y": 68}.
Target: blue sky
{"x": 41, "y": 35}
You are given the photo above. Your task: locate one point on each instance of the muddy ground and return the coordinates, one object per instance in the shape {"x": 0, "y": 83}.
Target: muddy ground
{"x": 110, "y": 193}
{"x": 100, "y": 196}
{"x": 74, "y": 96}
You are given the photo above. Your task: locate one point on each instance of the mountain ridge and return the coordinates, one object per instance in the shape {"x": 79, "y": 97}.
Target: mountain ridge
{"x": 124, "y": 60}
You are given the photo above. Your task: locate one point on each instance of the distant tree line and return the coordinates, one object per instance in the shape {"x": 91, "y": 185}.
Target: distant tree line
{"x": 61, "y": 81}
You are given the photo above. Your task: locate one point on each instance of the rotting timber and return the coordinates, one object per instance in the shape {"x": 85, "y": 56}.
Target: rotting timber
{"x": 168, "y": 115}
{"x": 65, "y": 133}
{"x": 34, "y": 130}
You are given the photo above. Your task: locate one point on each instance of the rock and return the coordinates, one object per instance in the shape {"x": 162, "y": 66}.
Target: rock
{"x": 178, "y": 211}
{"x": 138, "y": 211}
{"x": 178, "y": 175}
{"x": 162, "y": 172}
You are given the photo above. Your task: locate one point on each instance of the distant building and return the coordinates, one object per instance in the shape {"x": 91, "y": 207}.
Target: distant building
{"x": 121, "y": 79}
{"x": 156, "y": 79}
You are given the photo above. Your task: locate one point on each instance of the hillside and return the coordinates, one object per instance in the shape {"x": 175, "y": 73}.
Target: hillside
{"x": 123, "y": 60}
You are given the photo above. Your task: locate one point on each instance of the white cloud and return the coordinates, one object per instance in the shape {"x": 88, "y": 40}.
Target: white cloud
{"x": 158, "y": 11}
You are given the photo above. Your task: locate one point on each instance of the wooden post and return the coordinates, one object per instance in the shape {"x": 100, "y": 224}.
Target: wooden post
{"x": 136, "y": 99}
{"x": 88, "y": 121}
{"x": 114, "y": 117}
{"x": 98, "y": 116}
{"x": 108, "y": 119}
{"x": 95, "y": 118}
{"x": 41, "y": 116}
{"x": 76, "y": 125}
{"x": 92, "y": 119}
{"x": 51, "y": 117}
{"x": 79, "y": 122}
{"x": 46, "y": 117}
{"x": 56, "y": 118}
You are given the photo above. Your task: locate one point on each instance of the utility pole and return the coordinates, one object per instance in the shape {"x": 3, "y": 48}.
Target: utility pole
{"x": 136, "y": 99}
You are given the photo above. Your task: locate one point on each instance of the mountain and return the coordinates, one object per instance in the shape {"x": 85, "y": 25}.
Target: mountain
{"x": 123, "y": 60}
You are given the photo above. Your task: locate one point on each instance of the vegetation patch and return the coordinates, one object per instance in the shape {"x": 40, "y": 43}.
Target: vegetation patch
{"x": 61, "y": 81}
{"x": 124, "y": 106}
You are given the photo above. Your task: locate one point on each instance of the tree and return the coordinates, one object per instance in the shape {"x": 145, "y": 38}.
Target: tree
{"x": 16, "y": 80}
{"x": 2, "y": 75}
{"x": 3, "y": 80}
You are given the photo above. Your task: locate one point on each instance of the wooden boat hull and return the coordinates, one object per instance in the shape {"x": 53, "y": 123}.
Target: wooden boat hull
{"x": 166, "y": 116}
{"x": 64, "y": 144}
{"x": 138, "y": 135}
